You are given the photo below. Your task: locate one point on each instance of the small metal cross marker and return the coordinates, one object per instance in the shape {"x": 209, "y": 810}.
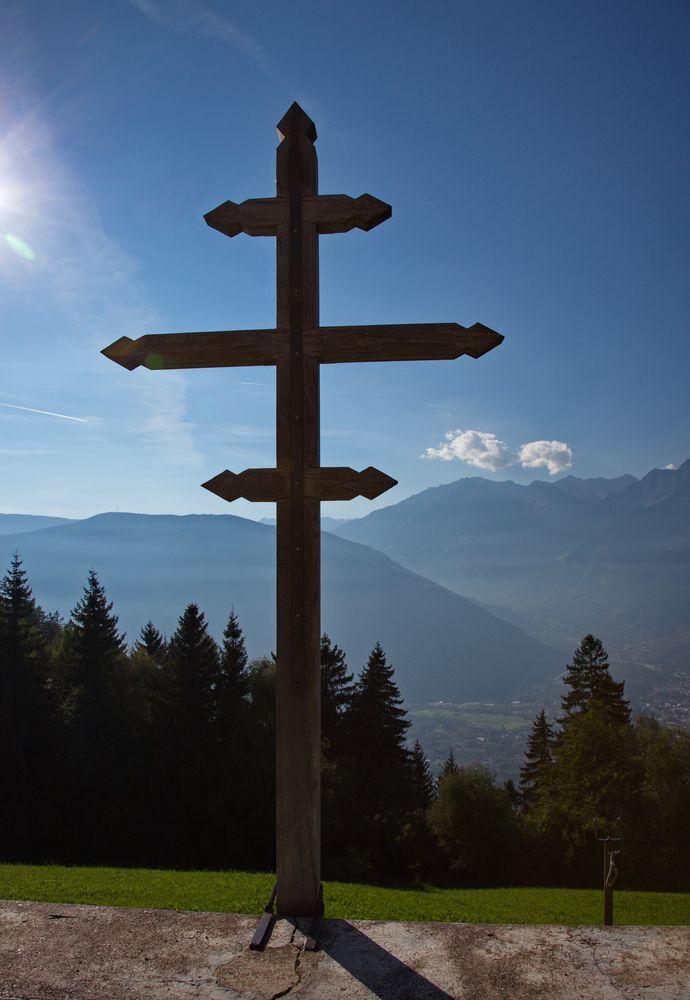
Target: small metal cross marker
{"x": 297, "y": 216}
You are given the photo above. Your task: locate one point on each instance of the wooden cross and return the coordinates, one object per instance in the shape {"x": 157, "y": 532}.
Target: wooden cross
{"x": 297, "y": 216}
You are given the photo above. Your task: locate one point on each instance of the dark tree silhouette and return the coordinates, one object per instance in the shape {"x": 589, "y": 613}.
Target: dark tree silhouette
{"x": 473, "y": 823}
{"x": 152, "y": 642}
{"x": 449, "y": 766}
{"x": 232, "y": 767}
{"x": 378, "y": 797}
{"x": 538, "y": 758}
{"x": 337, "y": 692}
{"x": 422, "y": 782}
{"x": 589, "y": 680}
{"x": 190, "y": 678}
{"x": 90, "y": 682}
{"x": 596, "y": 771}
{"x": 165, "y": 756}
{"x": 27, "y": 720}
{"x": 233, "y": 682}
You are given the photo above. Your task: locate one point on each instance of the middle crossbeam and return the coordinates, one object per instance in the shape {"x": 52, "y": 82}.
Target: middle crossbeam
{"x": 324, "y": 483}
{"x": 326, "y": 344}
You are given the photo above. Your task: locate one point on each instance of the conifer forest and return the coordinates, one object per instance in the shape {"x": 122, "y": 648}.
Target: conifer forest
{"x": 161, "y": 754}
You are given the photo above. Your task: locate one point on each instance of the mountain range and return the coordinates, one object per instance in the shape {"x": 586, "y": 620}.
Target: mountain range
{"x": 16, "y": 524}
{"x": 442, "y": 645}
{"x": 477, "y": 589}
{"x": 563, "y": 558}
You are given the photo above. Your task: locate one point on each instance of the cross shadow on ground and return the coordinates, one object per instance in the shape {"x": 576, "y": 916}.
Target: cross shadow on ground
{"x": 381, "y": 972}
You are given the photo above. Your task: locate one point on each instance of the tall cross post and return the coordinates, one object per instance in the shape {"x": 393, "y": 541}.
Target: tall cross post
{"x": 297, "y": 216}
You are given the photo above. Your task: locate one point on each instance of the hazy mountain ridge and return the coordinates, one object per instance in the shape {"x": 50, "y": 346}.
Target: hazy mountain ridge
{"x": 570, "y": 556}
{"x": 15, "y": 524}
{"x": 559, "y": 559}
{"x": 441, "y": 644}
{"x": 593, "y": 489}
{"x": 327, "y": 523}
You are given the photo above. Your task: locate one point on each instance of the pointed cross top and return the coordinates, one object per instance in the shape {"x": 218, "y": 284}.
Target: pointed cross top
{"x": 296, "y": 123}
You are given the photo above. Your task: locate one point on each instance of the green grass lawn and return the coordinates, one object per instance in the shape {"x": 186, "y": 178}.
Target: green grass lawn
{"x": 247, "y": 892}
{"x": 478, "y": 720}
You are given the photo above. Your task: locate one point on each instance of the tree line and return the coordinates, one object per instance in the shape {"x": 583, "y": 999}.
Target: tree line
{"x": 162, "y": 754}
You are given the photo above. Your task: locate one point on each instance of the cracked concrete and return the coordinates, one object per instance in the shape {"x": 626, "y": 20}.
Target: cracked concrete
{"x": 60, "y": 952}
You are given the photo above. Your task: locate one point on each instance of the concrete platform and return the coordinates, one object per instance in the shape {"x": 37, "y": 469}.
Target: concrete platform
{"x": 59, "y": 952}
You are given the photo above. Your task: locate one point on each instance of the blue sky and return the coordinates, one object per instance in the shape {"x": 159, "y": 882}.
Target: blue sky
{"x": 535, "y": 156}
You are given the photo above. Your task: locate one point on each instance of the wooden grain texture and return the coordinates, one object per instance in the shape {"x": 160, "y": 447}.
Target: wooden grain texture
{"x": 343, "y": 483}
{"x": 326, "y": 344}
{"x": 395, "y": 342}
{"x": 255, "y": 217}
{"x": 298, "y": 683}
{"x": 261, "y": 485}
{"x": 331, "y": 213}
{"x": 224, "y": 349}
{"x": 339, "y": 213}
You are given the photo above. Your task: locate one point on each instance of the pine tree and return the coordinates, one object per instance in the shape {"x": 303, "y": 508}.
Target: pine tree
{"x": 22, "y": 645}
{"x": 422, "y": 782}
{"x": 377, "y": 716}
{"x": 337, "y": 692}
{"x": 91, "y": 684}
{"x": 190, "y": 678}
{"x": 337, "y": 779}
{"x": 232, "y": 771}
{"x": 192, "y": 670}
{"x": 152, "y": 642}
{"x": 233, "y": 681}
{"x": 538, "y": 758}
{"x": 93, "y": 644}
{"x": 379, "y": 795}
{"x": 589, "y": 680}
{"x": 27, "y": 722}
{"x": 449, "y": 766}
{"x": 595, "y": 772}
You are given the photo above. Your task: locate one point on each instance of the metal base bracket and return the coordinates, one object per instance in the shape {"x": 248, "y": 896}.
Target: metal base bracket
{"x": 262, "y": 934}
{"x": 264, "y": 929}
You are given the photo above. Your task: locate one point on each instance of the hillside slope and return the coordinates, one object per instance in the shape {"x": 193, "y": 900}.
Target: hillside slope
{"x": 571, "y": 556}
{"x": 442, "y": 645}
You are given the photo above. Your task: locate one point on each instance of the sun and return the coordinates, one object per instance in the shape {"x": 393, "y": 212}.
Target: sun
{"x": 14, "y": 201}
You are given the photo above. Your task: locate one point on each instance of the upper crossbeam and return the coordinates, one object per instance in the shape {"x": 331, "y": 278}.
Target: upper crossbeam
{"x": 331, "y": 213}
{"x": 328, "y": 344}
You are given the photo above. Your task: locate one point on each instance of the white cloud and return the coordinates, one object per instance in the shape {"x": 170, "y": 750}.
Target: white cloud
{"x": 478, "y": 448}
{"x": 486, "y": 451}
{"x": 671, "y": 466}
{"x": 556, "y": 456}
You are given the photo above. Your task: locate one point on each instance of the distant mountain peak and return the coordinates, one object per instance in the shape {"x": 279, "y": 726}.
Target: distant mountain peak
{"x": 594, "y": 488}
{"x": 658, "y": 485}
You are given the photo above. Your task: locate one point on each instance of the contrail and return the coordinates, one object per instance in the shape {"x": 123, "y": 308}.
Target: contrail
{"x": 46, "y": 413}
